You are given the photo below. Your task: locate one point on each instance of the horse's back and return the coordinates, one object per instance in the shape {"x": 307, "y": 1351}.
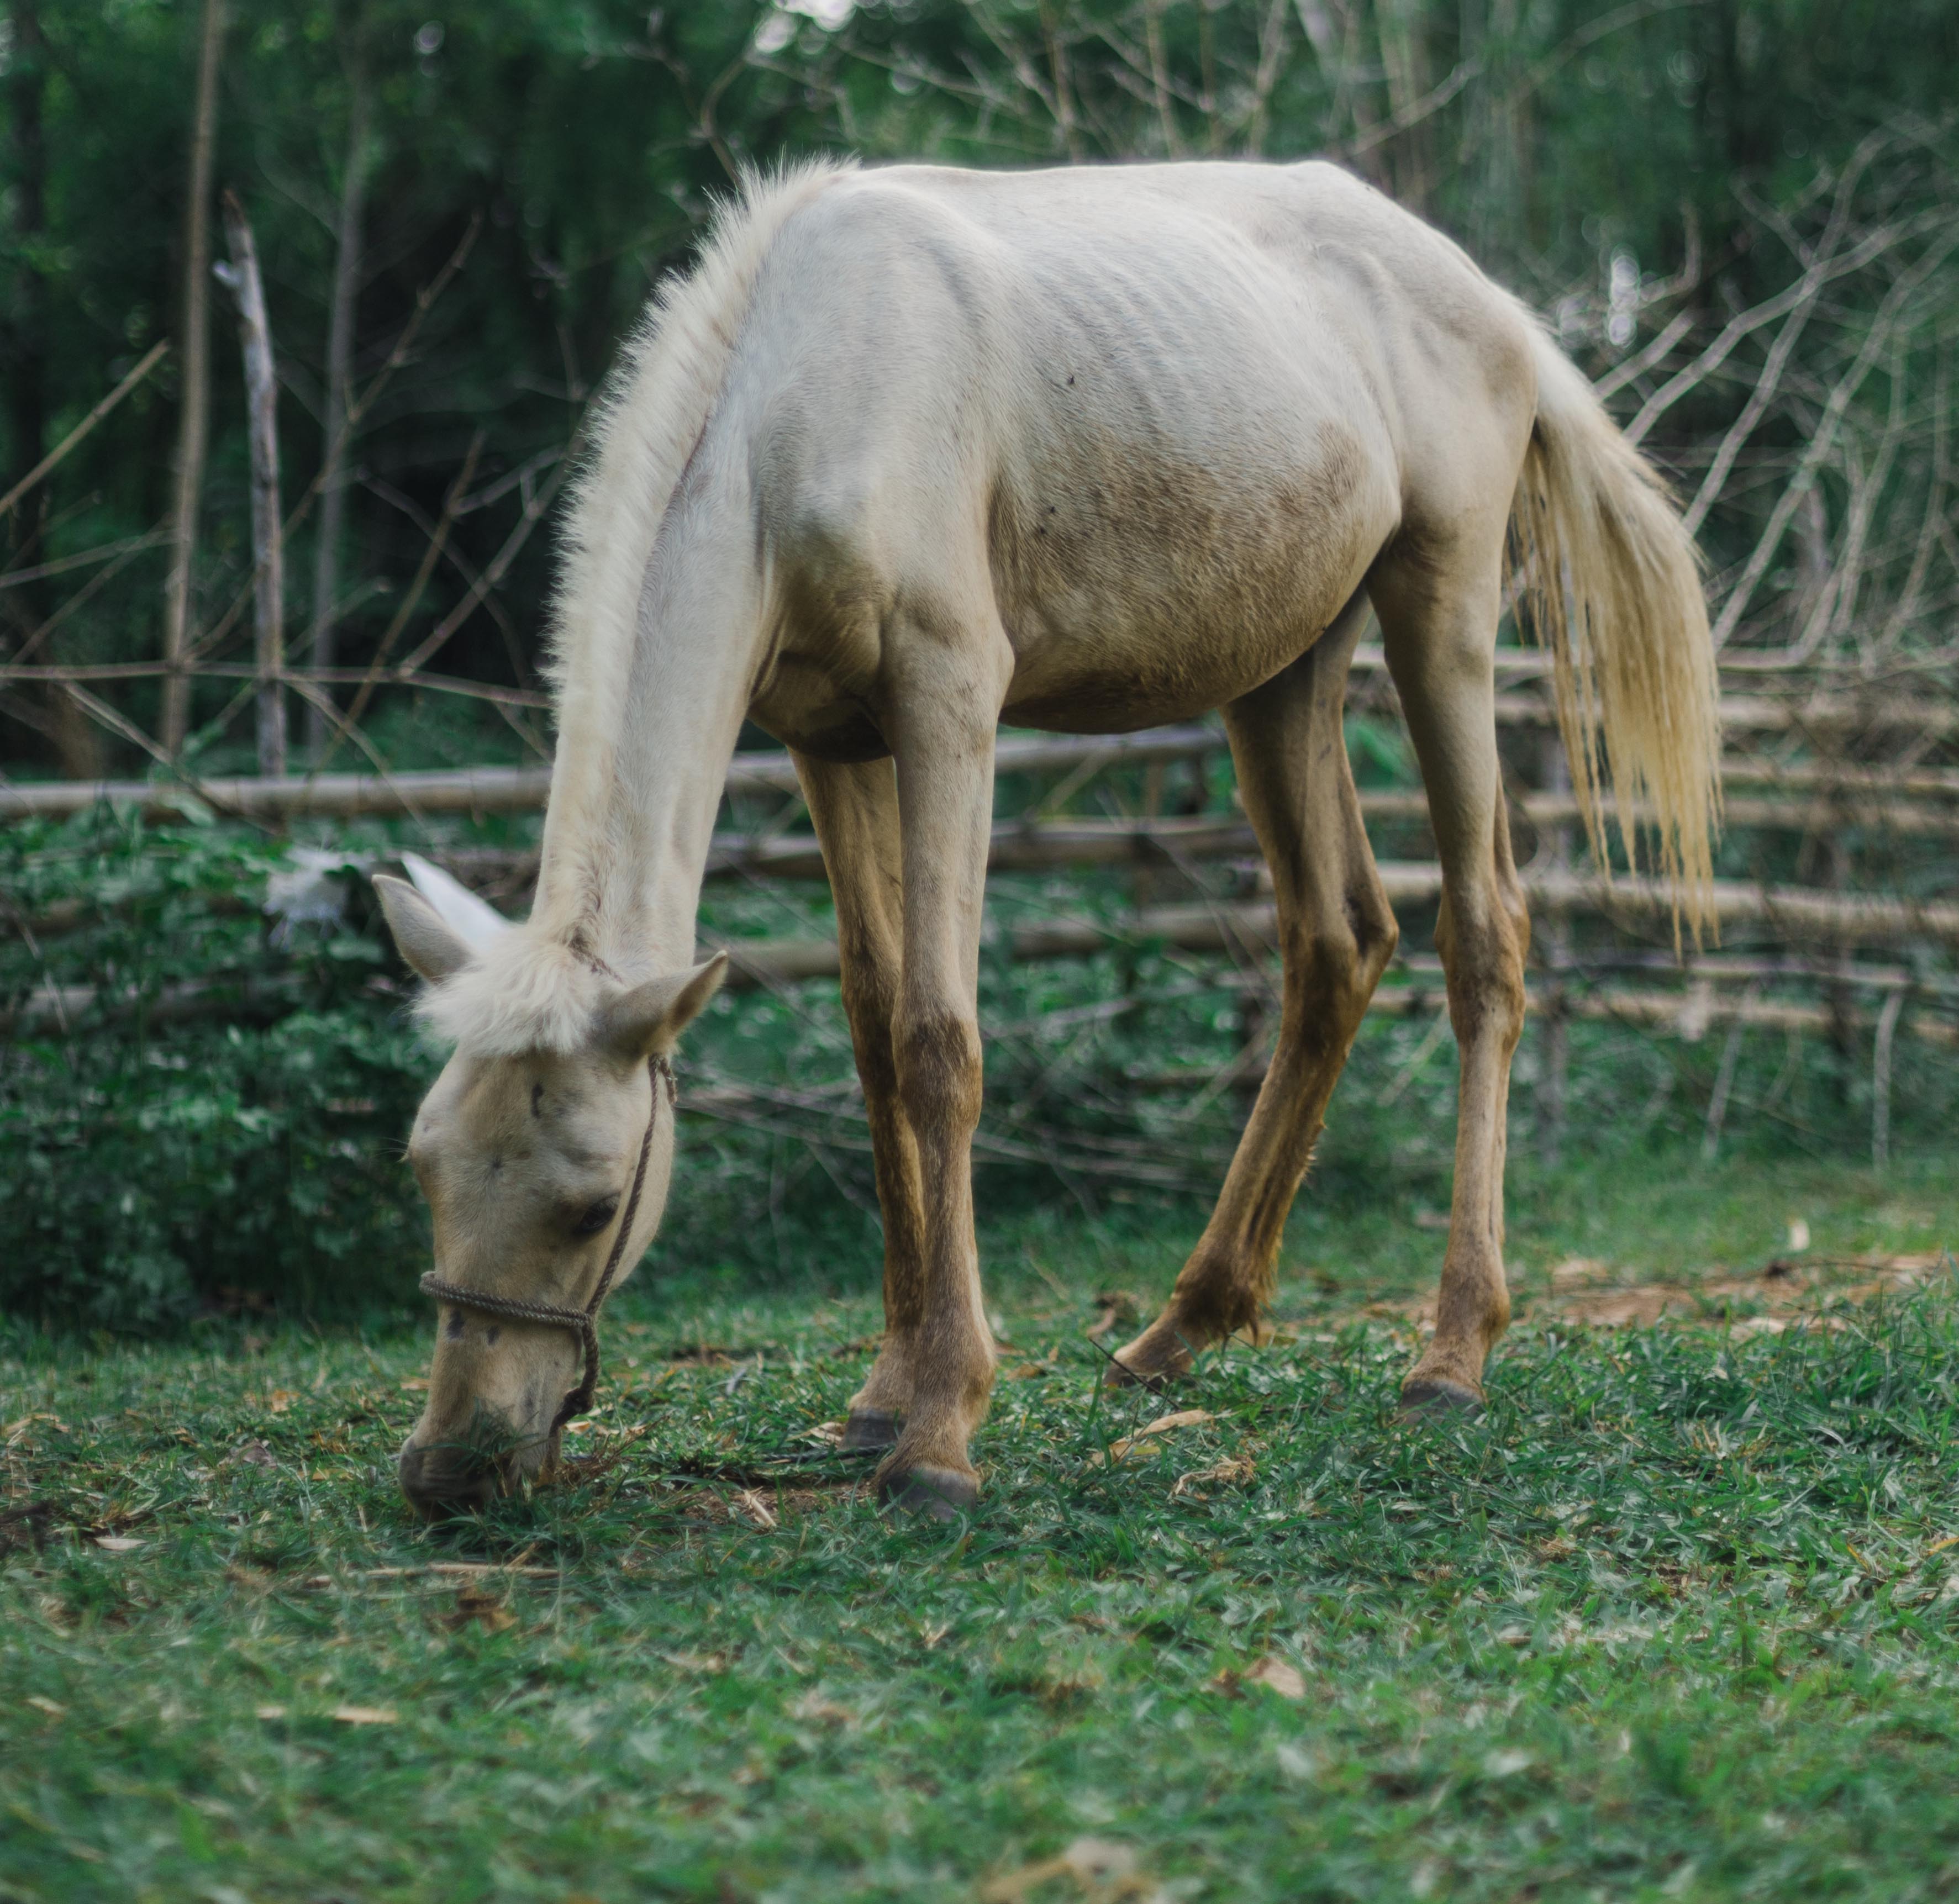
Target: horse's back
{"x": 1181, "y": 397}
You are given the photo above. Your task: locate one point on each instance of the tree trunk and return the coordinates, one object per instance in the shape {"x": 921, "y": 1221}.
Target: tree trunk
{"x": 27, "y": 332}
{"x": 339, "y": 368}
{"x": 268, "y": 567}
{"x": 195, "y": 418}
{"x": 77, "y": 750}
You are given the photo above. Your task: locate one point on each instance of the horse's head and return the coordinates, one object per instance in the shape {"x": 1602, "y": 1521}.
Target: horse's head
{"x": 544, "y": 1150}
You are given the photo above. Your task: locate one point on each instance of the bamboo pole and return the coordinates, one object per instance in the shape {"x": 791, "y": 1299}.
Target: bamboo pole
{"x": 1851, "y": 793}
{"x": 339, "y": 384}
{"x": 77, "y": 437}
{"x": 764, "y": 962}
{"x": 195, "y": 418}
{"x": 1253, "y": 925}
{"x": 268, "y": 567}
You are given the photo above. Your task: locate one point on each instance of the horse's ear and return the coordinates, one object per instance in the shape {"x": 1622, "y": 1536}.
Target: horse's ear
{"x": 650, "y": 1017}
{"x": 422, "y": 936}
{"x": 475, "y": 921}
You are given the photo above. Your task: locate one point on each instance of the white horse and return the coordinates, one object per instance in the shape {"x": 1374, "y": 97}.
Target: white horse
{"x": 915, "y": 451}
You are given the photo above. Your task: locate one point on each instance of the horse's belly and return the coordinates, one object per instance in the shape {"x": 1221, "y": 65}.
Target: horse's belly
{"x": 1144, "y": 594}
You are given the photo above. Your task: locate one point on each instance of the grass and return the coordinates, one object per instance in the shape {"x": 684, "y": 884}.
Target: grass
{"x": 1679, "y": 1617}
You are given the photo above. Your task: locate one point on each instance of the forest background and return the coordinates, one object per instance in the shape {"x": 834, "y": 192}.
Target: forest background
{"x": 1737, "y": 215}
{"x": 1592, "y": 158}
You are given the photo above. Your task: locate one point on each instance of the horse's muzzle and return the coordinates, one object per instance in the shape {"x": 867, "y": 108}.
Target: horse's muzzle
{"x": 439, "y": 1480}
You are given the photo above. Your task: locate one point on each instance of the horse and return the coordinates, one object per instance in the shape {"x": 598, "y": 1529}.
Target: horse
{"x": 913, "y": 451}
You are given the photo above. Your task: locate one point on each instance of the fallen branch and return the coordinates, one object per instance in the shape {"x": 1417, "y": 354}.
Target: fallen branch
{"x": 1794, "y": 912}
{"x": 240, "y": 276}
{"x": 79, "y": 435}
{"x": 479, "y": 790}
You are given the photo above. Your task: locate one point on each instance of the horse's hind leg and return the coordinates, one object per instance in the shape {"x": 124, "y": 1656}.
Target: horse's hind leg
{"x": 855, "y": 812}
{"x": 1337, "y": 934}
{"x": 1439, "y": 610}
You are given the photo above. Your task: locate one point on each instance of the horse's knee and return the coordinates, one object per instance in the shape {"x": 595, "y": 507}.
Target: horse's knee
{"x": 1483, "y": 958}
{"x": 1376, "y": 933}
{"x": 936, "y": 1055}
{"x": 1332, "y": 968}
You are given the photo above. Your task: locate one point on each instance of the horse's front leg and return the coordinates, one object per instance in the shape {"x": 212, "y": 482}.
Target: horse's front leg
{"x": 855, "y": 812}
{"x": 945, "y": 707}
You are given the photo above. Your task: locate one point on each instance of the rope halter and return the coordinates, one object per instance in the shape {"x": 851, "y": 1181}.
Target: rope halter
{"x": 583, "y": 1323}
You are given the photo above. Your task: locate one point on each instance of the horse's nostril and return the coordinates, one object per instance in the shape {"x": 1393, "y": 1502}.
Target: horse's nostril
{"x": 437, "y": 1480}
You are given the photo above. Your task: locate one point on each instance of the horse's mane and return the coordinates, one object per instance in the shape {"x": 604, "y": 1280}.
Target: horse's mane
{"x": 532, "y": 990}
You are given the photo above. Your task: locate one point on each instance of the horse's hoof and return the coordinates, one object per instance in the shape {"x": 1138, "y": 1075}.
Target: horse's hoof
{"x": 868, "y": 1431}
{"x": 1120, "y": 1375}
{"x": 1434, "y": 1396}
{"x": 1145, "y": 1364}
{"x": 936, "y": 1494}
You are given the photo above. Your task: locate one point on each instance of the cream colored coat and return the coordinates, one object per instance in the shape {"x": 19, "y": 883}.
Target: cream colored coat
{"x": 915, "y": 451}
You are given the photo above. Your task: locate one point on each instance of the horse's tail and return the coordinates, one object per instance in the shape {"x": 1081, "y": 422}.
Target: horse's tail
{"x": 1612, "y": 583}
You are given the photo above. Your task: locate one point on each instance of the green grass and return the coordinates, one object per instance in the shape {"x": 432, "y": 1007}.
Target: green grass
{"x": 1674, "y": 1620}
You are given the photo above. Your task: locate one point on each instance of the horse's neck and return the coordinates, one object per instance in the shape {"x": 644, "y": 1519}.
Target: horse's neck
{"x": 647, "y": 726}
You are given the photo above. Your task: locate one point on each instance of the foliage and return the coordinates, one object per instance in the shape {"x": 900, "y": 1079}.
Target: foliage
{"x": 1620, "y": 168}
{"x": 214, "y": 1116}
{"x": 243, "y": 1152}
{"x": 1679, "y": 1617}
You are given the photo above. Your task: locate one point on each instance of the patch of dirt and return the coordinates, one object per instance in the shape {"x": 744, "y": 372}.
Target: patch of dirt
{"x": 1784, "y": 1293}
{"x": 755, "y": 1510}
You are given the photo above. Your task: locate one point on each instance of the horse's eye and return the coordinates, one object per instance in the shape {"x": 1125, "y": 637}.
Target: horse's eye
{"x": 598, "y": 1217}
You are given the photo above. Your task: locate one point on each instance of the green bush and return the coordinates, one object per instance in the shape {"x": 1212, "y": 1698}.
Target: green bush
{"x": 219, "y": 1125}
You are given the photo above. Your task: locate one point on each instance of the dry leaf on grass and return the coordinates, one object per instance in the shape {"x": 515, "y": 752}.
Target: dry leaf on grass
{"x": 486, "y": 1609}
{"x": 1163, "y": 1425}
{"x": 1236, "y": 1470}
{"x": 364, "y": 1715}
{"x": 1275, "y": 1674}
{"x": 116, "y": 1543}
{"x": 749, "y": 1503}
{"x": 1101, "y": 1870}
{"x": 47, "y": 1706}
{"x": 269, "y": 1712}
{"x": 696, "y": 1662}
{"x": 814, "y": 1707}
{"x": 1283, "y": 1677}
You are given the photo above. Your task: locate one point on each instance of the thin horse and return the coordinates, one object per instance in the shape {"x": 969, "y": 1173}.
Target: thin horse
{"x": 915, "y": 451}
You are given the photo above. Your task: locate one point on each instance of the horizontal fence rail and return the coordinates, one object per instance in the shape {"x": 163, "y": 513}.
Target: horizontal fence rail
{"x": 1874, "y": 793}
{"x": 1232, "y": 926}
{"x": 1414, "y": 985}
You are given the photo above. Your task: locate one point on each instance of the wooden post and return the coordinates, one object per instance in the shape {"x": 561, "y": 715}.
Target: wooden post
{"x": 1144, "y": 888}
{"x": 1880, "y": 1081}
{"x": 195, "y": 418}
{"x": 339, "y": 367}
{"x": 77, "y": 748}
{"x": 268, "y": 568}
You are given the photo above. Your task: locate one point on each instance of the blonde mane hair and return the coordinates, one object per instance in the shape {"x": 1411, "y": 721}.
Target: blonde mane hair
{"x": 536, "y": 988}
